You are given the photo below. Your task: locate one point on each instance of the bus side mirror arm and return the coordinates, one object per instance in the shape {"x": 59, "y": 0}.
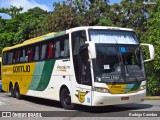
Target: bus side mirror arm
{"x": 151, "y": 51}
{"x": 91, "y": 50}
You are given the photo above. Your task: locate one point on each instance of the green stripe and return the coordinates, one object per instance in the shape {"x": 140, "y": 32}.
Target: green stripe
{"x": 135, "y": 86}
{"x": 60, "y": 33}
{"x": 49, "y": 37}
{"x": 131, "y": 87}
{"x": 36, "y": 75}
{"x": 54, "y": 35}
{"x": 46, "y": 75}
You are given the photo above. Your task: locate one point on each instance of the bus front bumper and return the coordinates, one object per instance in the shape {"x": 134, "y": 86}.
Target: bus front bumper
{"x": 102, "y": 99}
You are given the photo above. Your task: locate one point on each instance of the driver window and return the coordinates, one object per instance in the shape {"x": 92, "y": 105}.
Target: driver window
{"x": 85, "y": 74}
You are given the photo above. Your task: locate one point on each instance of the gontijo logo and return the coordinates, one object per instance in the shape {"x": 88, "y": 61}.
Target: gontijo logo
{"x": 22, "y": 68}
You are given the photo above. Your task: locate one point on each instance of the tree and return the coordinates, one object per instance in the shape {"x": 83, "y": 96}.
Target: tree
{"x": 12, "y": 11}
{"x": 20, "y": 26}
{"x": 153, "y": 36}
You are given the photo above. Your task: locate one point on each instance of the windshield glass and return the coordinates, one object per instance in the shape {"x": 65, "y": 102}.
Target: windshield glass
{"x": 133, "y": 65}
{"x": 118, "y": 63}
{"x": 107, "y": 64}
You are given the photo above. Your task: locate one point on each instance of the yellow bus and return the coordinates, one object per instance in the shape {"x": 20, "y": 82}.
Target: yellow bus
{"x": 91, "y": 65}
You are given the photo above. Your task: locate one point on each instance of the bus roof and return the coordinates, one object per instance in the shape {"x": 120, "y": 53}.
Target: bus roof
{"x": 32, "y": 40}
{"x": 55, "y": 34}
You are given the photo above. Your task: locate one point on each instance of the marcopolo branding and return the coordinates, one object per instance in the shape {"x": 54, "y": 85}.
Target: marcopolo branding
{"x": 63, "y": 68}
{"x": 22, "y": 68}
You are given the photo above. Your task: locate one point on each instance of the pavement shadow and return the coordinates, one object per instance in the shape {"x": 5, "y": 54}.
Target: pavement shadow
{"x": 113, "y": 108}
{"x": 42, "y": 101}
{"x": 101, "y": 109}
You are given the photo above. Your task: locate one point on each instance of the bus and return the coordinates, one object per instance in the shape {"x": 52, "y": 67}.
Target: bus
{"x": 87, "y": 65}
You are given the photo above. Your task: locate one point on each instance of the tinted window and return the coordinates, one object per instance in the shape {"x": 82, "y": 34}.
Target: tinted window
{"x": 43, "y": 51}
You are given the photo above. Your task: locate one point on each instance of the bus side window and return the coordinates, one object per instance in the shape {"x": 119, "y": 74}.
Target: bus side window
{"x": 66, "y": 48}
{"x": 10, "y": 58}
{"x": 4, "y": 58}
{"x": 57, "y": 49}
{"x": 61, "y": 48}
{"x": 50, "y": 50}
{"x": 36, "y": 54}
{"x": 43, "y": 51}
{"x": 22, "y": 55}
{"x": 16, "y": 57}
{"x": 30, "y": 54}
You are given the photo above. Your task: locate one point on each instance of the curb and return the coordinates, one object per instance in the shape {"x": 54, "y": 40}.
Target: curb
{"x": 152, "y": 98}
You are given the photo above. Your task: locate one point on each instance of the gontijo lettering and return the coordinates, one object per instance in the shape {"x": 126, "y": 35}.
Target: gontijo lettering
{"x": 22, "y": 68}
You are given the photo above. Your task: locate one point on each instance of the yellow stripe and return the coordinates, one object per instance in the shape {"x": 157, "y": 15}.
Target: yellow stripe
{"x": 116, "y": 89}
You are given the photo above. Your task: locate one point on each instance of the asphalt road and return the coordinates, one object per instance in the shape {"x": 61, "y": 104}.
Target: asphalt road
{"x": 37, "y": 107}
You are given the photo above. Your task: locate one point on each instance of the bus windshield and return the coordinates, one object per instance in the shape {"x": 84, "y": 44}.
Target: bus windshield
{"x": 119, "y": 57}
{"x": 118, "y": 64}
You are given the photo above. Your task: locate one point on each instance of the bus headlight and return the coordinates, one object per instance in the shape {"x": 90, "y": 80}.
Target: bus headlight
{"x": 142, "y": 87}
{"x": 102, "y": 90}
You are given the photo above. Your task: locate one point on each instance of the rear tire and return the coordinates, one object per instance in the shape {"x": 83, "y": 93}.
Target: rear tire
{"x": 17, "y": 92}
{"x": 65, "y": 99}
{"x": 12, "y": 91}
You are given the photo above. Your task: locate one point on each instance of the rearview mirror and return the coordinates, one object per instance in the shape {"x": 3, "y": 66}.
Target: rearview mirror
{"x": 91, "y": 49}
{"x": 151, "y": 51}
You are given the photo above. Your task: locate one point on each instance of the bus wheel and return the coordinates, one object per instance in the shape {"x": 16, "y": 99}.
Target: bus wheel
{"x": 17, "y": 91}
{"x": 12, "y": 91}
{"x": 65, "y": 99}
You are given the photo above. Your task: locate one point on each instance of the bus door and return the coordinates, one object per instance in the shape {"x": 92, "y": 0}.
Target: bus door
{"x": 82, "y": 85}
{"x": 85, "y": 81}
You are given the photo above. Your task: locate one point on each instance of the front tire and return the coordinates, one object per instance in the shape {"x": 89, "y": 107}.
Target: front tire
{"x": 65, "y": 99}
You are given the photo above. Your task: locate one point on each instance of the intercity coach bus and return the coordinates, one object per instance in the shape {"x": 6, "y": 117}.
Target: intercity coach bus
{"x": 90, "y": 65}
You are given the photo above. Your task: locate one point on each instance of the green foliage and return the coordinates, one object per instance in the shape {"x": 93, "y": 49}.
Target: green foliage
{"x": 143, "y": 18}
{"x": 153, "y": 36}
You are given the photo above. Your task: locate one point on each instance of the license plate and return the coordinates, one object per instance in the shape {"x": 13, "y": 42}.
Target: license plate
{"x": 124, "y": 98}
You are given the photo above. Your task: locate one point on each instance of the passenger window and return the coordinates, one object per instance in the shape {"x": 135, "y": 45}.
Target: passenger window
{"x": 43, "y": 51}
{"x": 62, "y": 48}
{"x": 66, "y": 48}
{"x": 16, "y": 57}
{"x": 57, "y": 49}
{"x": 30, "y": 54}
{"x": 10, "y": 57}
{"x": 50, "y": 50}
{"x": 23, "y": 55}
{"x": 4, "y": 58}
{"x": 36, "y": 55}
